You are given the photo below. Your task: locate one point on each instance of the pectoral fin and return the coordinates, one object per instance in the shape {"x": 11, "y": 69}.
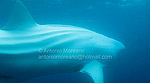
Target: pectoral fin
{"x": 95, "y": 70}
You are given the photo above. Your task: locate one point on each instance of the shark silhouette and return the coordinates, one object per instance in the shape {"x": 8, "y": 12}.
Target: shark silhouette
{"x": 22, "y": 40}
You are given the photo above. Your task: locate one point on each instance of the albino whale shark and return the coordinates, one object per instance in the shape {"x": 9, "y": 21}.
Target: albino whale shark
{"x": 22, "y": 41}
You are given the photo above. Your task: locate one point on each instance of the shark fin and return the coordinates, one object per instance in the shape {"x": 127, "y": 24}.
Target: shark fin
{"x": 20, "y": 18}
{"x": 95, "y": 70}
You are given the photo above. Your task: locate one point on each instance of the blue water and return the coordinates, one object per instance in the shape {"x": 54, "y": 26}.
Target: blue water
{"x": 127, "y": 21}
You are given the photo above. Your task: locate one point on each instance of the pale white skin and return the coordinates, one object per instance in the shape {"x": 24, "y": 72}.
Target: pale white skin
{"x": 20, "y": 43}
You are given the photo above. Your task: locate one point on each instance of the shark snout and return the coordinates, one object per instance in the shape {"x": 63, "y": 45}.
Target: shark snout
{"x": 106, "y": 45}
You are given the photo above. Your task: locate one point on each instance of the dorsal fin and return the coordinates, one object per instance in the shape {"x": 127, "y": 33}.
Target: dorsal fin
{"x": 20, "y": 18}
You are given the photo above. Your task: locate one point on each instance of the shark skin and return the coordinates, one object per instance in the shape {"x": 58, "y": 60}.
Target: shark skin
{"x": 22, "y": 40}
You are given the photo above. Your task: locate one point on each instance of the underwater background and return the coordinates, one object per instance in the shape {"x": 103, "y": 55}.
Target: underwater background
{"x": 127, "y": 21}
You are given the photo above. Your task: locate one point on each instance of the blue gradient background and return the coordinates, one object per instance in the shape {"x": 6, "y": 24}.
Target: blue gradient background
{"x": 127, "y": 21}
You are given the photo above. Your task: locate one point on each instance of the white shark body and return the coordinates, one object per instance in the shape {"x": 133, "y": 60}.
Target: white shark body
{"x": 22, "y": 40}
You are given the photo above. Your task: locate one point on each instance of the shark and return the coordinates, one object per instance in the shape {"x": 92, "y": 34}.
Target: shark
{"x": 24, "y": 44}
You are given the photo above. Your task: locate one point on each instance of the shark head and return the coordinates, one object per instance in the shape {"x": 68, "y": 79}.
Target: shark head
{"x": 22, "y": 39}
